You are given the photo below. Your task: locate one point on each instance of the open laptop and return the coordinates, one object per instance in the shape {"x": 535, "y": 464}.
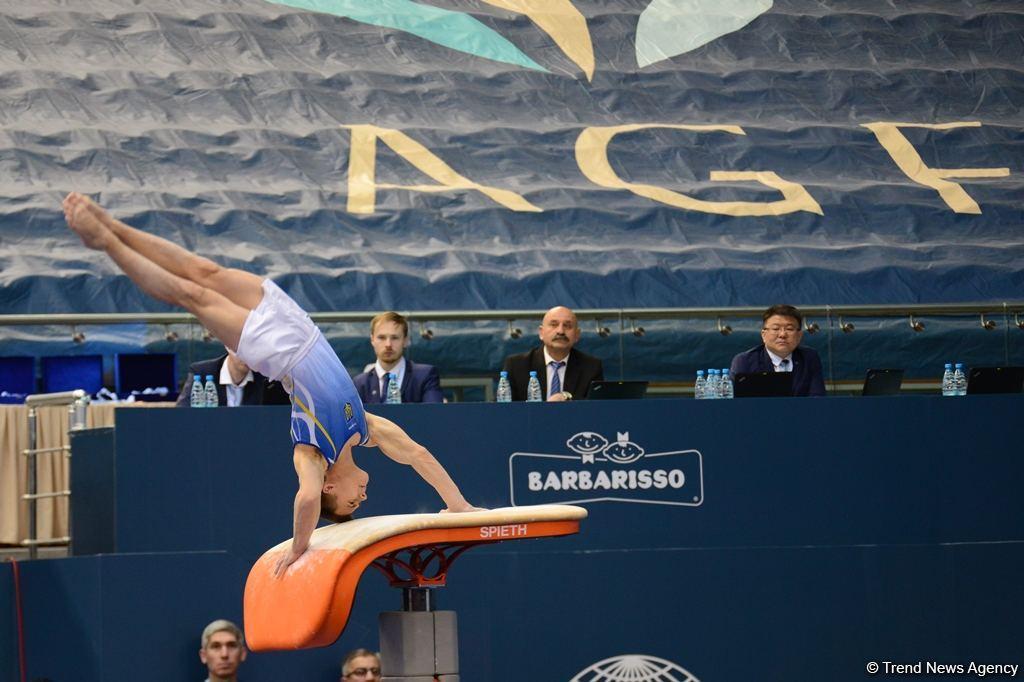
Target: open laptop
{"x": 882, "y": 382}
{"x": 995, "y": 380}
{"x": 617, "y": 390}
{"x": 763, "y": 384}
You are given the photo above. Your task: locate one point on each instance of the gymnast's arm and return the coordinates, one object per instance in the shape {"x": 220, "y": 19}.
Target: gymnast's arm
{"x": 396, "y": 444}
{"x": 309, "y": 466}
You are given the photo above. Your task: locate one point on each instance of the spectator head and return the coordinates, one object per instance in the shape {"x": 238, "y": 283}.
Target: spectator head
{"x": 389, "y": 336}
{"x": 360, "y": 665}
{"x": 782, "y": 329}
{"x": 559, "y": 331}
{"x": 222, "y": 650}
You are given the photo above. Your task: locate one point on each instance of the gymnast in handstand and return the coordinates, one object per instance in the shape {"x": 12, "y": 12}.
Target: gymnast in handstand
{"x": 273, "y": 335}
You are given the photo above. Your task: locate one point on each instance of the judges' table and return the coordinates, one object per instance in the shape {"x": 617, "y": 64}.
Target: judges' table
{"x": 745, "y": 539}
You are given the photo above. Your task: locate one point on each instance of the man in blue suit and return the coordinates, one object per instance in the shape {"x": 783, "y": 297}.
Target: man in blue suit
{"x": 781, "y": 331}
{"x": 389, "y": 336}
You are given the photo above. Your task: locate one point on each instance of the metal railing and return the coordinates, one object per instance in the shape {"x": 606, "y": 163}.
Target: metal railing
{"x": 77, "y": 400}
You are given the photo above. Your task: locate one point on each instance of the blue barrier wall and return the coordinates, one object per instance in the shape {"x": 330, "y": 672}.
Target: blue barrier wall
{"x": 805, "y": 539}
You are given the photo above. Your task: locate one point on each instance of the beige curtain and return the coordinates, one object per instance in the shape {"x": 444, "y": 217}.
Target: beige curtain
{"x": 52, "y": 470}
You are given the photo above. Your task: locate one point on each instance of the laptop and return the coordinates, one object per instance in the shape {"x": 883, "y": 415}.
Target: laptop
{"x": 882, "y": 382}
{"x": 763, "y": 385}
{"x": 617, "y": 390}
{"x": 995, "y": 380}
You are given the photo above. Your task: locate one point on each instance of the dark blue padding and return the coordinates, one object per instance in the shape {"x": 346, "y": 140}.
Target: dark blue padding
{"x": 70, "y": 372}
{"x": 139, "y": 371}
{"x": 17, "y": 378}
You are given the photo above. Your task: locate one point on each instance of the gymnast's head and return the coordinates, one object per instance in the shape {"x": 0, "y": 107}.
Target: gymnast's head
{"x": 344, "y": 490}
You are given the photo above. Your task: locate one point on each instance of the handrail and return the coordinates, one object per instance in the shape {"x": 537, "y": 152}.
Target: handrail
{"x": 880, "y": 310}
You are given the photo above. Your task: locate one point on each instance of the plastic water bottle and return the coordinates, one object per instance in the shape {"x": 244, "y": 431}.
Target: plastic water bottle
{"x": 211, "y": 392}
{"x": 959, "y": 380}
{"x": 504, "y": 394}
{"x": 700, "y": 387}
{"x": 533, "y": 394}
{"x": 947, "y": 380}
{"x": 394, "y": 396}
{"x": 197, "y": 398}
{"x": 725, "y": 390}
{"x": 711, "y": 388}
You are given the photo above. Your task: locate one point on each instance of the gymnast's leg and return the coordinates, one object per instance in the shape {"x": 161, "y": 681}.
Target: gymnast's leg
{"x": 243, "y": 288}
{"x": 222, "y": 316}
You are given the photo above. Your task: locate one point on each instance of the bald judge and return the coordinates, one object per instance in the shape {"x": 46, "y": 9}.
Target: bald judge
{"x": 564, "y": 372}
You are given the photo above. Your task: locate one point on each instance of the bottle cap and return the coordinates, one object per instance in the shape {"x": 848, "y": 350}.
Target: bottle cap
{"x": 504, "y": 374}
{"x": 725, "y": 371}
{"x": 199, "y": 377}
{"x": 949, "y": 365}
{"x": 209, "y": 377}
{"x": 959, "y": 365}
{"x": 700, "y": 372}
{"x": 533, "y": 373}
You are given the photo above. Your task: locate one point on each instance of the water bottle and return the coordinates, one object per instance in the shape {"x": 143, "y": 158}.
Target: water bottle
{"x": 711, "y": 388}
{"x": 700, "y": 387}
{"x": 959, "y": 380}
{"x": 726, "y": 388}
{"x": 394, "y": 396}
{"x": 533, "y": 394}
{"x": 197, "y": 398}
{"x": 947, "y": 380}
{"x": 504, "y": 389}
{"x": 211, "y": 392}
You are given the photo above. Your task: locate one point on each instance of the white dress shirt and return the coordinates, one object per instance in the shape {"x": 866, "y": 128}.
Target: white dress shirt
{"x": 232, "y": 390}
{"x": 777, "y": 362}
{"x": 398, "y": 372}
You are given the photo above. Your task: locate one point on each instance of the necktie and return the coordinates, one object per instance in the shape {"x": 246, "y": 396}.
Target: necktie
{"x": 784, "y": 365}
{"x": 384, "y": 381}
{"x": 556, "y": 383}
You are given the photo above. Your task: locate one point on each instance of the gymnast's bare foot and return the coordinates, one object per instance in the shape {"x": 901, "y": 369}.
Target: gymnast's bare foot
{"x": 81, "y": 215}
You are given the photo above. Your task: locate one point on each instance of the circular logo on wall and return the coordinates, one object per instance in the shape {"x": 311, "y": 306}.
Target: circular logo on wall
{"x": 634, "y": 668}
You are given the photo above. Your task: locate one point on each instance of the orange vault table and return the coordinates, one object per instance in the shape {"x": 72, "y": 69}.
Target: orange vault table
{"x": 310, "y": 605}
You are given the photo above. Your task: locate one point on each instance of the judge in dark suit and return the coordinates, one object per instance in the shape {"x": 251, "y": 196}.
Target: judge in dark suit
{"x": 236, "y": 383}
{"x": 564, "y": 372}
{"x": 780, "y": 351}
{"x": 389, "y": 336}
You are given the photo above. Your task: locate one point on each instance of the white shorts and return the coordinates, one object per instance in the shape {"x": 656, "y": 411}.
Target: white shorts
{"x": 276, "y": 335}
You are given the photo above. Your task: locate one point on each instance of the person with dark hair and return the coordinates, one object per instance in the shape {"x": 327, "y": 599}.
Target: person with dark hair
{"x": 270, "y": 333}
{"x": 360, "y": 665}
{"x": 780, "y": 351}
{"x": 419, "y": 382}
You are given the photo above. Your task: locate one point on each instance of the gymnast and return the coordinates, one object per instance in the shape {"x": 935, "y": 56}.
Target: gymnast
{"x": 273, "y": 335}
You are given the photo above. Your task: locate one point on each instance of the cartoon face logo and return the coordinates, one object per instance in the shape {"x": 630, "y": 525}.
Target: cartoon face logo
{"x": 623, "y": 450}
{"x": 587, "y": 443}
{"x": 349, "y": 413}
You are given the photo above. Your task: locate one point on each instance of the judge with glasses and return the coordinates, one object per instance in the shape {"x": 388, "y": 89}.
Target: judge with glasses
{"x": 780, "y": 351}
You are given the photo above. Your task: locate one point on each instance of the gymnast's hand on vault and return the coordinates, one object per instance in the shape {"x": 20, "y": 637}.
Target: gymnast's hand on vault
{"x": 461, "y": 509}
{"x": 286, "y": 560}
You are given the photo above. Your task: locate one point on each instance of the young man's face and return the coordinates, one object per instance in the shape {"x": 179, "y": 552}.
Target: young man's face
{"x": 223, "y": 654}
{"x": 388, "y": 341}
{"x": 349, "y": 491}
{"x": 781, "y": 335}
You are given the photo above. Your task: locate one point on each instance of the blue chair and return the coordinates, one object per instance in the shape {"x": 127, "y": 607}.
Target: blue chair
{"x": 139, "y": 371}
{"x": 17, "y": 378}
{"x": 68, "y": 372}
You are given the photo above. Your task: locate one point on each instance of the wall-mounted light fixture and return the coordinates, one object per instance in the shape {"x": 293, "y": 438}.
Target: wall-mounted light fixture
{"x": 637, "y": 330}
{"x": 811, "y": 327}
{"x": 845, "y": 327}
{"x": 77, "y": 336}
{"x": 514, "y": 332}
{"x": 723, "y": 329}
{"x": 987, "y": 324}
{"x": 169, "y": 334}
{"x": 916, "y": 325}
{"x": 426, "y": 333}
{"x": 602, "y": 331}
